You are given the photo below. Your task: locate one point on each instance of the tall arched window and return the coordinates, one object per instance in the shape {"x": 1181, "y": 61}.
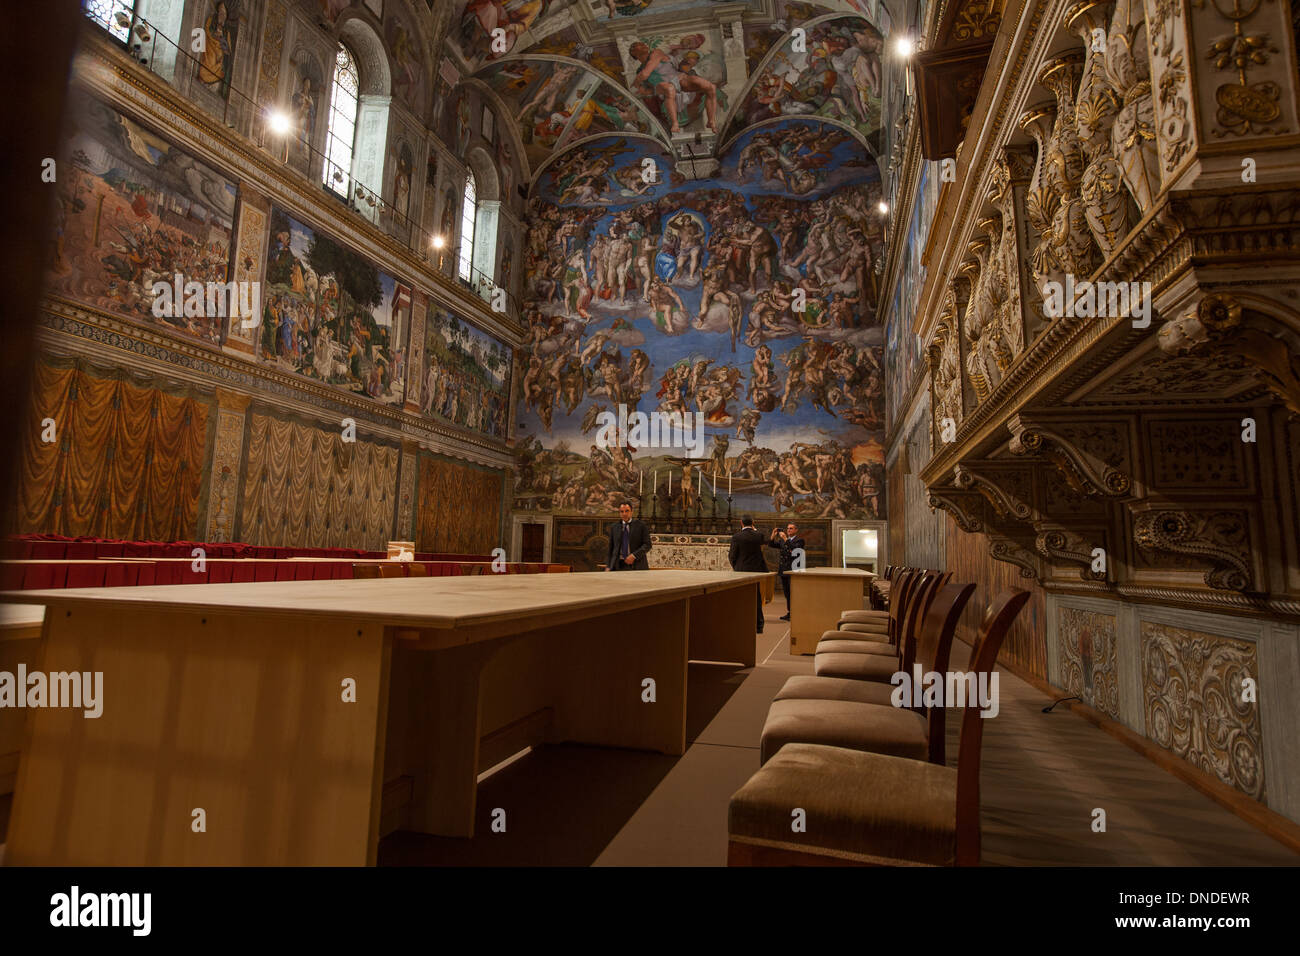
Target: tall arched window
{"x": 337, "y": 173}
{"x": 468, "y": 216}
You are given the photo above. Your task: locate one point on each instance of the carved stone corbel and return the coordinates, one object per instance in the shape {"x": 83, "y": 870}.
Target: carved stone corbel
{"x": 1006, "y": 549}
{"x": 1221, "y": 537}
{"x": 1083, "y": 471}
{"x": 1003, "y": 502}
{"x": 968, "y": 519}
{"x": 1215, "y": 324}
{"x": 1068, "y": 547}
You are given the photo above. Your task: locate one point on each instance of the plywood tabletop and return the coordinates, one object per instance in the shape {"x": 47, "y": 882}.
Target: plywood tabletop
{"x": 433, "y": 602}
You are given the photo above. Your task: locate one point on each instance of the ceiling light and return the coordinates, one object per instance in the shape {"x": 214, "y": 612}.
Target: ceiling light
{"x": 439, "y": 242}
{"x": 279, "y": 123}
{"x": 882, "y": 207}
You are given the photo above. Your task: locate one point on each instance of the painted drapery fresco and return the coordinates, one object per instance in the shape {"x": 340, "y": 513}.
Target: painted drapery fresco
{"x": 685, "y": 297}
{"x": 134, "y": 210}
{"x": 331, "y": 315}
{"x": 467, "y": 375}
{"x": 129, "y": 461}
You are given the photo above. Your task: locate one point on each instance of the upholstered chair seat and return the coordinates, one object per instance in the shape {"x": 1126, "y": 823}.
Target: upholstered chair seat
{"x": 848, "y": 627}
{"x": 861, "y": 807}
{"x": 879, "y": 728}
{"x": 834, "y": 645}
{"x": 808, "y": 687}
{"x": 864, "y": 616}
{"x": 875, "y": 667}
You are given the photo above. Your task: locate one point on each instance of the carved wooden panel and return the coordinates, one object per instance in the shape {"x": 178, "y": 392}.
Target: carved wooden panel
{"x": 1192, "y": 699}
{"x": 1086, "y": 642}
{"x": 1196, "y": 454}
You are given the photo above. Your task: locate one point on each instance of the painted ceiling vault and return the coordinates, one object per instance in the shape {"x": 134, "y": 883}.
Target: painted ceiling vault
{"x": 692, "y": 74}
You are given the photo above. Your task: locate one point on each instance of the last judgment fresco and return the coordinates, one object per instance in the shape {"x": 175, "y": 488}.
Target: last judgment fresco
{"x": 746, "y": 302}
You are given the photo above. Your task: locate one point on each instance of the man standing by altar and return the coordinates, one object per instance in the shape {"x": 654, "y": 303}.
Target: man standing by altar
{"x": 792, "y": 550}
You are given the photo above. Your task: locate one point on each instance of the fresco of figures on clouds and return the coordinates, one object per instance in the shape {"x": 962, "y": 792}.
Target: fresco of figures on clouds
{"x": 467, "y": 375}
{"x": 681, "y": 297}
{"x": 331, "y": 315}
{"x": 837, "y": 75}
{"x": 134, "y": 210}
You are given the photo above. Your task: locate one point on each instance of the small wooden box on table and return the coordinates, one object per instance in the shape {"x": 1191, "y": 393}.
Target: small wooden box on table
{"x": 817, "y": 596}
{"x": 231, "y": 698}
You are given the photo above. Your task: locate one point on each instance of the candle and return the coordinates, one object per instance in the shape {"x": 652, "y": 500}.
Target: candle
{"x": 670, "y": 482}
{"x": 654, "y": 486}
{"x": 715, "y": 484}
{"x": 728, "y": 483}
{"x": 640, "y": 483}
{"x": 699, "y": 488}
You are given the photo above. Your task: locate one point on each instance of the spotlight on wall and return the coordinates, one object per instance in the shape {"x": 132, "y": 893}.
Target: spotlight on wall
{"x": 882, "y": 207}
{"x": 903, "y": 46}
{"x": 278, "y": 122}
{"x": 439, "y": 242}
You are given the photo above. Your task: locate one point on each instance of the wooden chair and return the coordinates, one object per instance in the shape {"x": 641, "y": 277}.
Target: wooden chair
{"x": 862, "y": 715}
{"x": 418, "y": 569}
{"x": 837, "y": 656}
{"x": 866, "y": 808}
{"x": 365, "y": 571}
{"x": 392, "y": 569}
{"x": 880, "y": 622}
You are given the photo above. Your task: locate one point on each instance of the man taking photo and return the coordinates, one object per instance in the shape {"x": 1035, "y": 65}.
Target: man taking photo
{"x": 792, "y": 548}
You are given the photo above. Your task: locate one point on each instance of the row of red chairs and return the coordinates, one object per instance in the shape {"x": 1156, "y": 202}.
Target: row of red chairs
{"x": 100, "y": 574}
{"x": 58, "y": 547}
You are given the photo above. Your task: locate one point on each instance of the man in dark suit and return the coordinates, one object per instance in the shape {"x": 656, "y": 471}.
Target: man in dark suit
{"x": 792, "y": 548}
{"x": 628, "y": 543}
{"x": 747, "y": 555}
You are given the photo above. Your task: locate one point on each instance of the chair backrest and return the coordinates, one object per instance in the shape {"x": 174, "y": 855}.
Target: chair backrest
{"x": 984, "y": 654}
{"x": 392, "y": 569}
{"x": 921, "y": 594}
{"x": 365, "y": 570}
{"x": 934, "y": 648}
{"x": 418, "y": 569}
{"x": 898, "y": 602}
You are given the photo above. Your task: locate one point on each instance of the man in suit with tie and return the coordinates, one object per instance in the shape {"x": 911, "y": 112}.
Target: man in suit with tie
{"x": 628, "y": 543}
{"x": 747, "y": 555}
{"x": 792, "y": 549}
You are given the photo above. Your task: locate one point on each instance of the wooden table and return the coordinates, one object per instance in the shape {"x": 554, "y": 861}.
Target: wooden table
{"x": 230, "y": 698}
{"x": 20, "y": 643}
{"x": 817, "y": 596}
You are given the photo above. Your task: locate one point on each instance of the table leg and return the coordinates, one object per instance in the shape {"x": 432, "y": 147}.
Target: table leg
{"x": 724, "y": 626}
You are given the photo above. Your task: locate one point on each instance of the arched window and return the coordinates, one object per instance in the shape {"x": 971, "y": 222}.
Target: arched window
{"x": 115, "y": 16}
{"x": 468, "y": 215}
{"x": 337, "y": 173}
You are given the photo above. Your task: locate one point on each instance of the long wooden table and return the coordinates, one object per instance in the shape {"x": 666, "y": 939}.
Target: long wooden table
{"x": 232, "y": 699}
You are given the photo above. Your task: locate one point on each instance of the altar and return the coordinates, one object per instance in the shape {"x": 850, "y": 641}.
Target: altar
{"x": 699, "y": 552}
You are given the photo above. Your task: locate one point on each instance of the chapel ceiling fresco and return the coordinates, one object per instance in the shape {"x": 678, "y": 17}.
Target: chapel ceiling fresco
{"x": 693, "y": 74}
